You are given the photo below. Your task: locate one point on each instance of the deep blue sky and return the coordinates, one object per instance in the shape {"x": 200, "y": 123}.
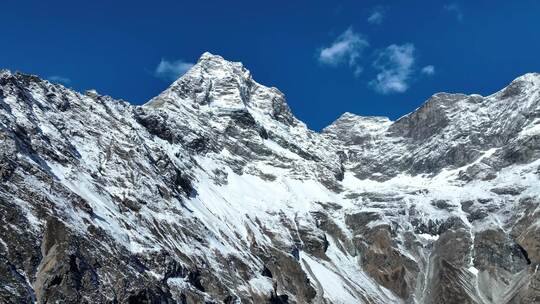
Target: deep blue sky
{"x": 115, "y": 47}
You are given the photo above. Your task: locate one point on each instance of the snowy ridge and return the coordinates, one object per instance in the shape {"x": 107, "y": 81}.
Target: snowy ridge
{"x": 214, "y": 192}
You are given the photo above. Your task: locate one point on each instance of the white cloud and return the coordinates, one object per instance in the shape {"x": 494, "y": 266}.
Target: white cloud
{"x": 456, "y": 9}
{"x": 377, "y": 16}
{"x": 358, "y": 70}
{"x": 171, "y": 70}
{"x": 395, "y": 65}
{"x": 428, "y": 70}
{"x": 346, "y": 48}
{"x": 59, "y": 79}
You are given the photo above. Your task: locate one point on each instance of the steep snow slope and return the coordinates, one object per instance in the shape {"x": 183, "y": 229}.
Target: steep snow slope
{"x": 214, "y": 192}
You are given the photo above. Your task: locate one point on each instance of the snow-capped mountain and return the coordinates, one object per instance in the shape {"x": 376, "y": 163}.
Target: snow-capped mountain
{"x": 213, "y": 192}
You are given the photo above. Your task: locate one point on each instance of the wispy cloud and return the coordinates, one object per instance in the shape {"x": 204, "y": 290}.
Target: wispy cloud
{"x": 395, "y": 65}
{"x": 59, "y": 79}
{"x": 346, "y": 48}
{"x": 377, "y": 16}
{"x": 171, "y": 70}
{"x": 456, "y": 9}
{"x": 358, "y": 70}
{"x": 428, "y": 70}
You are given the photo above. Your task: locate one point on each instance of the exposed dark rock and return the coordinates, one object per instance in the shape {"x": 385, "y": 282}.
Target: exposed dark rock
{"x": 436, "y": 226}
{"x": 155, "y": 123}
{"x": 279, "y": 299}
{"x": 266, "y": 272}
{"x": 385, "y": 263}
{"x": 507, "y": 190}
{"x": 494, "y": 249}
{"x": 358, "y": 222}
{"x": 450, "y": 283}
{"x": 442, "y": 204}
{"x": 426, "y": 121}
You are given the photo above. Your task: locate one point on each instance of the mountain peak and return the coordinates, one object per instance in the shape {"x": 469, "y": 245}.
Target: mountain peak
{"x": 4, "y": 73}
{"x": 211, "y": 81}
{"x": 210, "y": 56}
{"x": 353, "y": 129}
{"x": 533, "y": 76}
{"x": 225, "y": 86}
{"x": 522, "y": 85}
{"x": 215, "y": 66}
{"x": 351, "y": 119}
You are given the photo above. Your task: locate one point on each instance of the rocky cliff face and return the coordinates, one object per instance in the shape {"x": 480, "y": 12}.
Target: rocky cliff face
{"x": 213, "y": 192}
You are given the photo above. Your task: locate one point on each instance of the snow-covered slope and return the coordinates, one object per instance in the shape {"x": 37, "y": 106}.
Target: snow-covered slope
{"x": 214, "y": 192}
